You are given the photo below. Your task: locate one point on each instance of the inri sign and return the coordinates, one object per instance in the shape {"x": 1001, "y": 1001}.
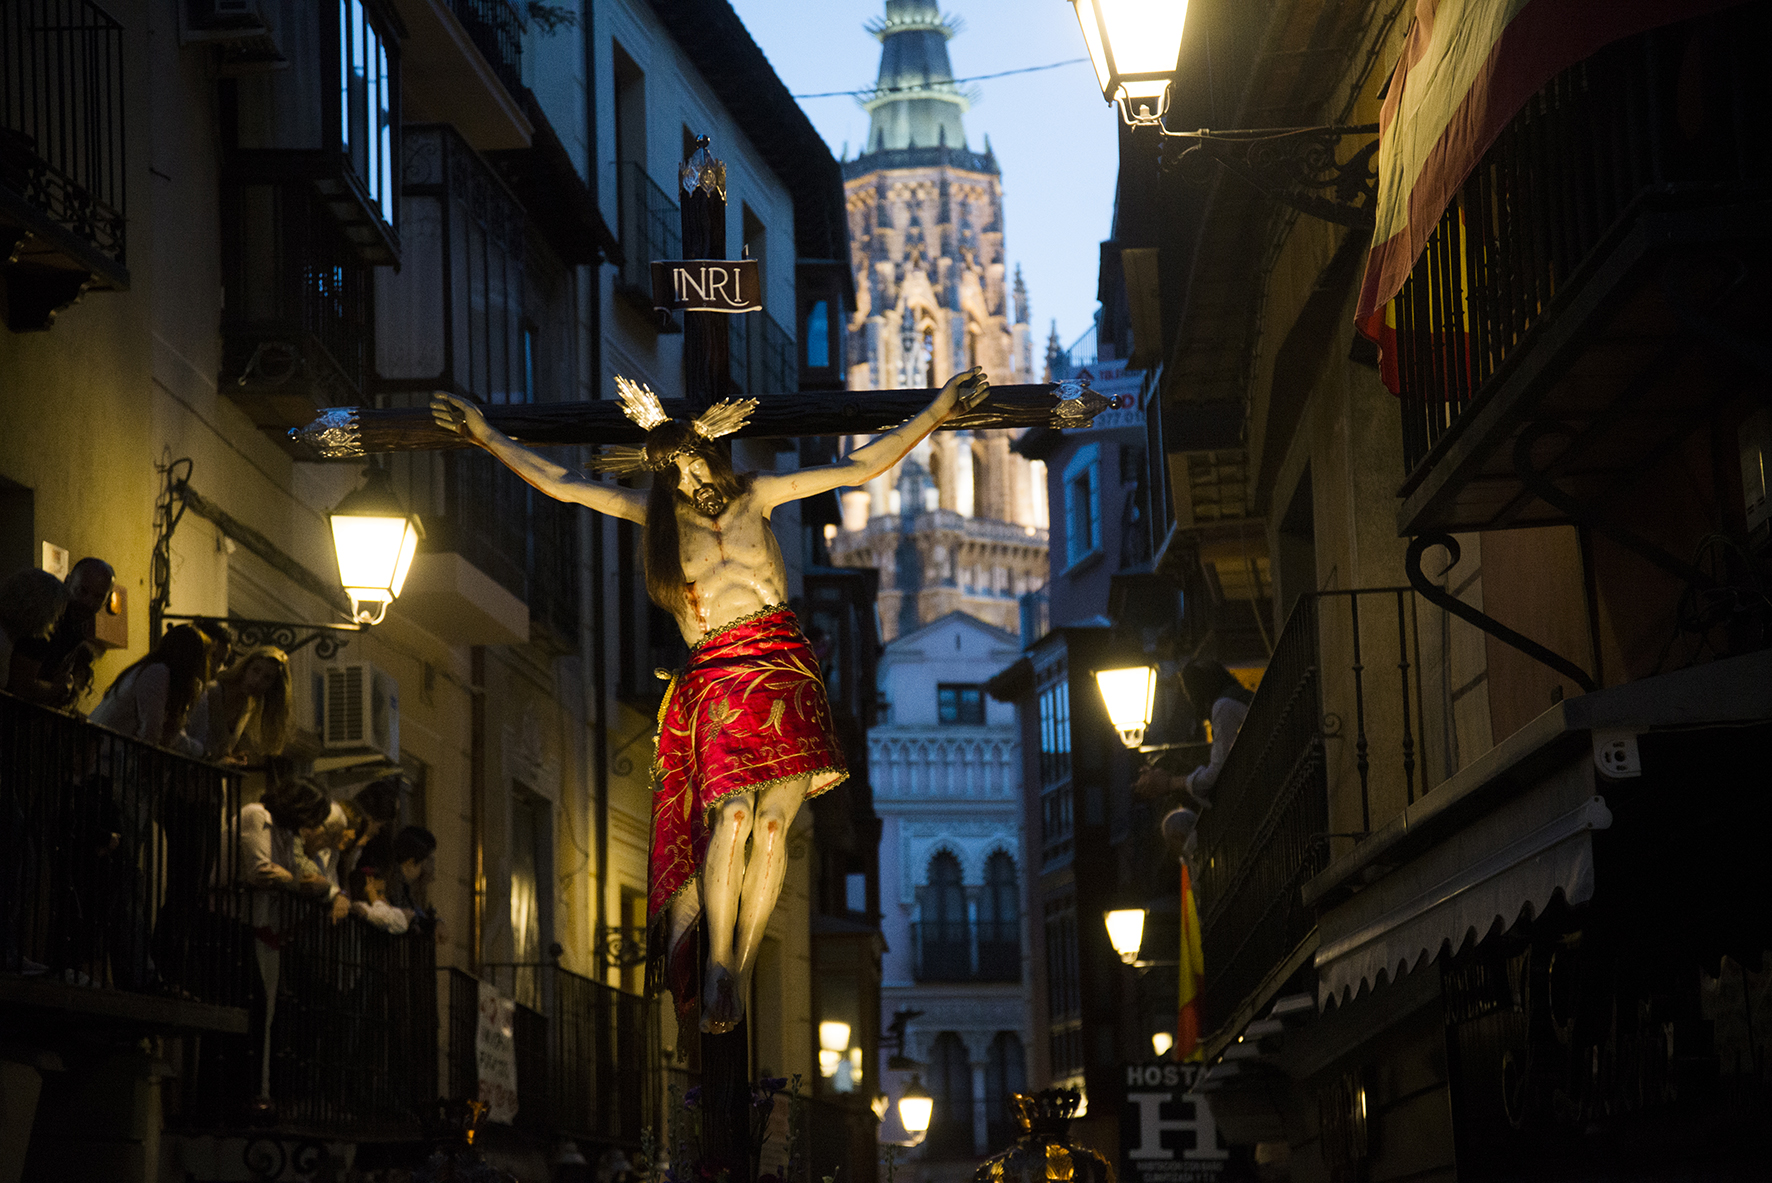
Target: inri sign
{"x": 707, "y": 285}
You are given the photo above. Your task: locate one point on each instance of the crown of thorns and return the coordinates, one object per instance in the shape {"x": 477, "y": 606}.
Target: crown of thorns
{"x": 642, "y": 406}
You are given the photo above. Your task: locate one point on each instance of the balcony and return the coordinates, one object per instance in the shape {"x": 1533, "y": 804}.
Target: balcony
{"x": 119, "y": 908}
{"x": 464, "y": 66}
{"x": 1335, "y": 741}
{"x": 959, "y": 952}
{"x": 62, "y": 149}
{"x": 106, "y": 861}
{"x": 1592, "y": 295}
{"x": 296, "y": 325}
{"x": 651, "y": 228}
{"x": 579, "y": 1045}
{"x": 499, "y": 564}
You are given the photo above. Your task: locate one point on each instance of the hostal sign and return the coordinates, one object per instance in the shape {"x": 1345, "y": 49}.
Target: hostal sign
{"x": 707, "y": 285}
{"x": 1167, "y": 1134}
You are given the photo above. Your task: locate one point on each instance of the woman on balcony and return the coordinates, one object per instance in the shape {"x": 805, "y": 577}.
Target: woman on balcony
{"x": 245, "y": 711}
{"x": 151, "y": 699}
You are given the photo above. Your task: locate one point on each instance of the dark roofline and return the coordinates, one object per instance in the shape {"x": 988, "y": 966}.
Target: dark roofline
{"x": 722, "y": 51}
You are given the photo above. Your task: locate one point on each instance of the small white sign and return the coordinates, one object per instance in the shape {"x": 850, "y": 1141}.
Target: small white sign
{"x": 495, "y": 1046}
{"x": 55, "y": 560}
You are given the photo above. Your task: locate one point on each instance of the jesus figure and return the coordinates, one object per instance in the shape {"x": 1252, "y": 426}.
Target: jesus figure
{"x": 745, "y": 731}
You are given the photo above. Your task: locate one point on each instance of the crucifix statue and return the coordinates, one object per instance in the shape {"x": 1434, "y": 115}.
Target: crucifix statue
{"x": 745, "y": 732}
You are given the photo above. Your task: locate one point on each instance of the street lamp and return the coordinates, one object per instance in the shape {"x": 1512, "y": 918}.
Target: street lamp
{"x": 375, "y": 538}
{"x": 1133, "y": 45}
{"x": 1161, "y": 1042}
{"x": 915, "y": 1108}
{"x": 1126, "y": 932}
{"x": 1130, "y": 694}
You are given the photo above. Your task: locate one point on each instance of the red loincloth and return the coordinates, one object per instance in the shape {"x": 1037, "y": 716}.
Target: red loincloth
{"x": 747, "y": 711}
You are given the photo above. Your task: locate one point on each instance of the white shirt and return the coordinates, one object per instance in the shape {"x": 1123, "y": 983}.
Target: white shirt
{"x": 136, "y": 704}
{"x": 1227, "y": 719}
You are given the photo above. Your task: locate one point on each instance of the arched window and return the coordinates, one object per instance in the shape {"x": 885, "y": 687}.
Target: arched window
{"x": 999, "y": 921}
{"x": 943, "y": 940}
{"x": 1005, "y": 1074}
{"x": 950, "y": 1083}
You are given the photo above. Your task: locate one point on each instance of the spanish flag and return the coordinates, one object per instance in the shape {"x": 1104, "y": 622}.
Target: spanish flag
{"x": 1193, "y": 976}
{"x": 1466, "y": 68}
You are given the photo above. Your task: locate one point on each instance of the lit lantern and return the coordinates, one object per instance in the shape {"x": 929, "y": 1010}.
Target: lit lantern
{"x": 376, "y": 539}
{"x": 1126, "y": 932}
{"x": 1133, "y": 45}
{"x": 1161, "y": 1042}
{"x": 916, "y": 1107}
{"x": 1130, "y": 695}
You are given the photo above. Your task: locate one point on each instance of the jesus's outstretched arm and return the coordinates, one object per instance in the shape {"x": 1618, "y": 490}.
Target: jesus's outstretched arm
{"x": 464, "y": 418}
{"x": 964, "y": 391}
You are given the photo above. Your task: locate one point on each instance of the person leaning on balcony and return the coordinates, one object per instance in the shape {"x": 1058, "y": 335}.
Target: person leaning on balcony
{"x": 245, "y": 711}
{"x": 270, "y": 830}
{"x": 1219, "y": 700}
{"x": 151, "y": 699}
{"x": 32, "y": 604}
{"x": 57, "y": 670}
{"x": 322, "y": 850}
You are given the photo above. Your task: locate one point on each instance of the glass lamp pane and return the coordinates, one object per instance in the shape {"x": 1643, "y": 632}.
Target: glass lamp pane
{"x": 369, "y": 552}
{"x": 1145, "y": 35}
{"x": 1086, "y": 17}
{"x": 915, "y": 1113}
{"x": 1129, "y": 695}
{"x": 408, "y": 548}
{"x": 1126, "y": 931}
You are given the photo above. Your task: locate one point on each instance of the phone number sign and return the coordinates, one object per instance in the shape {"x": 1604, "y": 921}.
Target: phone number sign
{"x": 1167, "y": 1134}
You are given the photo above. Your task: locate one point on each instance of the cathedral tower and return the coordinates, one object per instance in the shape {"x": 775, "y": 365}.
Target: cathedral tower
{"x": 961, "y": 523}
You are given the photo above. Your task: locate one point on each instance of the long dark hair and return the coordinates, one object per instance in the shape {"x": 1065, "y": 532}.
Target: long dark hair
{"x": 185, "y": 653}
{"x": 663, "y": 557}
{"x": 1208, "y": 681}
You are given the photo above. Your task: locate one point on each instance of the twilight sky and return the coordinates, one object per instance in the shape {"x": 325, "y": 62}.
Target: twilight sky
{"x": 1053, "y": 136}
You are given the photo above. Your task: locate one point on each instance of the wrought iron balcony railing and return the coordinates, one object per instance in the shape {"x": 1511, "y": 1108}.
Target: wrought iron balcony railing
{"x": 62, "y": 155}
{"x": 589, "y": 1040}
{"x": 1339, "y": 707}
{"x": 1550, "y": 195}
{"x": 109, "y": 850}
{"x": 651, "y": 228}
{"x": 496, "y": 29}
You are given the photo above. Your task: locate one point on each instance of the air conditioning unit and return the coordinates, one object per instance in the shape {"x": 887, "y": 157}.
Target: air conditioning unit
{"x": 360, "y": 712}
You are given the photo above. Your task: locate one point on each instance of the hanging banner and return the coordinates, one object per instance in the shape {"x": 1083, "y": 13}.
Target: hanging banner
{"x": 707, "y": 285}
{"x": 1167, "y": 1134}
{"x": 495, "y": 1048}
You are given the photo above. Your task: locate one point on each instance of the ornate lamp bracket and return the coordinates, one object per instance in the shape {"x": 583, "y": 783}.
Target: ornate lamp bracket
{"x": 1297, "y": 166}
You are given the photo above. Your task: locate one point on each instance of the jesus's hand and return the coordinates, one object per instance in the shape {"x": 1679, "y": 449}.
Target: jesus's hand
{"x": 970, "y": 388}
{"x": 459, "y": 417}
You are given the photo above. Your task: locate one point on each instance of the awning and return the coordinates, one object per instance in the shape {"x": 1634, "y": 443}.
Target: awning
{"x": 1542, "y": 846}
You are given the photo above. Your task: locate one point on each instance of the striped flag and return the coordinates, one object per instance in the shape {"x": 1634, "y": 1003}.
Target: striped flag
{"x": 1193, "y": 976}
{"x": 1467, "y": 67}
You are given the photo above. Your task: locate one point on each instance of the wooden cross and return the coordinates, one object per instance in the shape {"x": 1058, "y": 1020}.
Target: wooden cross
{"x": 342, "y": 432}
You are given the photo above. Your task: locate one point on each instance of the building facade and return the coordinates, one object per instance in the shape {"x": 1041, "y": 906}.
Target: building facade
{"x": 959, "y": 524}
{"x": 1431, "y": 950}
{"x": 283, "y": 207}
{"x": 946, "y": 769}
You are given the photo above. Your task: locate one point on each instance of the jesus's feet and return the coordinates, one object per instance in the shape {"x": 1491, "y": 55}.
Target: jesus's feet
{"x": 721, "y": 1010}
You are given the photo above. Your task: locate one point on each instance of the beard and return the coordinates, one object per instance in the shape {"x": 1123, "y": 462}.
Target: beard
{"x": 708, "y": 501}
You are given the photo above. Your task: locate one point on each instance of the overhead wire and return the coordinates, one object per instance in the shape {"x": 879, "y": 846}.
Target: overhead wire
{"x": 873, "y": 91}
